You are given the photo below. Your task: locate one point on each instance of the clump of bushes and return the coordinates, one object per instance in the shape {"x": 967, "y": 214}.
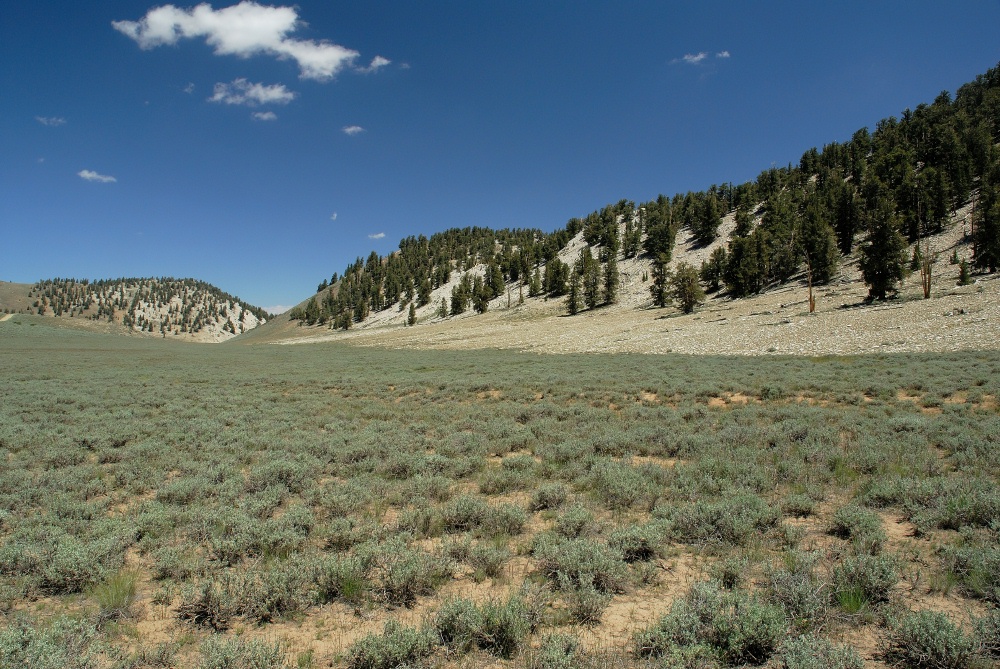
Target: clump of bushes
{"x": 733, "y": 520}
{"x": 397, "y": 646}
{"x": 928, "y": 640}
{"x": 861, "y": 526}
{"x": 549, "y": 496}
{"x": 734, "y": 628}
{"x": 796, "y": 587}
{"x": 67, "y": 643}
{"x": 496, "y": 627}
{"x": 864, "y": 580}
{"x": 240, "y": 653}
{"x": 557, "y": 651}
{"x": 579, "y": 562}
{"x": 809, "y": 652}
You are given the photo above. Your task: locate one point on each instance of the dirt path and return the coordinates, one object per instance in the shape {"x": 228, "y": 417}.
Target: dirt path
{"x": 5, "y": 317}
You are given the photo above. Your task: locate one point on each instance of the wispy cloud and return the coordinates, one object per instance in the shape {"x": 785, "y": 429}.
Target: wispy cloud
{"x": 377, "y": 235}
{"x": 243, "y": 92}
{"x": 378, "y": 62}
{"x": 698, "y": 58}
{"x": 264, "y": 116}
{"x": 189, "y": 88}
{"x": 352, "y": 130}
{"x": 333, "y": 216}
{"x": 277, "y": 308}
{"x": 244, "y": 30}
{"x": 91, "y": 175}
{"x": 50, "y": 120}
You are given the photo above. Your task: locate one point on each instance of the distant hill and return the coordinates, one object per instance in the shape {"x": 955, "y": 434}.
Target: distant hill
{"x": 184, "y": 309}
{"x": 867, "y": 203}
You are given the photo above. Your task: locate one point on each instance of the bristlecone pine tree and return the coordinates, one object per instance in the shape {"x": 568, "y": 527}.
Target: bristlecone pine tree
{"x": 883, "y": 256}
{"x": 685, "y": 289}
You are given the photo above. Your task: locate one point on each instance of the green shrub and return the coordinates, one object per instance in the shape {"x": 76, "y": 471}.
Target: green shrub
{"x": 798, "y": 506}
{"x": 574, "y": 521}
{"x": 578, "y": 562}
{"x": 66, "y": 643}
{"x": 636, "y": 543}
{"x": 239, "y": 653}
{"x": 397, "y": 646}
{"x": 496, "y": 627}
{"x": 861, "y": 526}
{"x": 619, "y": 484}
{"x": 734, "y": 520}
{"x": 735, "y": 627}
{"x": 502, "y": 520}
{"x": 928, "y": 639}
{"x": 585, "y": 602}
{"x": 865, "y": 578}
{"x": 487, "y": 560}
{"x": 116, "y": 595}
{"x": 988, "y": 634}
{"x": 399, "y": 574}
{"x": 797, "y": 589}
{"x": 977, "y": 566}
{"x": 549, "y": 496}
{"x": 808, "y": 652}
{"x": 341, "y": 577}
{"x": 207, "y": 605}
{"x": 557, "y": 651}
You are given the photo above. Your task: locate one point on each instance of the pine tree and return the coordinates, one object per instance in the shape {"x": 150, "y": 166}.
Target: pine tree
{"x": 535, "y": 287}
{"x": 883, "y": 256}
{"x": 611, "y": 281}
{"x": 964, "y": 278}
{"x": 411, "y": 318}
{"x": 684, "y": 288}
{"x": 661, "y": 279}
{"x": 442, "y": 311}
{"x": 573, "y": 295}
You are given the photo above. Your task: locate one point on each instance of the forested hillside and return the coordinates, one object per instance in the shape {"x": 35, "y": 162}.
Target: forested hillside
{"x": 869, "y": 198}
{"x": 159, "y": 306}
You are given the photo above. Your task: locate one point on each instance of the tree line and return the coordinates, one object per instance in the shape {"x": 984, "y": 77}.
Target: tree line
{"x": 872, "y": 195}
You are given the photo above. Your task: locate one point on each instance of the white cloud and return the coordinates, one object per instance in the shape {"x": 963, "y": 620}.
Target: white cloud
{"x": 189, "y": 88}
{"x": 694, "y": 58}
{"x": 377, "y": 63}
{"x": 352, "y": 130}
{"x": 91, "y": 175}
{"x": 50, "y": 120}
{"x": 333, "y": 216}
{"x": 243, "y": 92}
{"x": 264, "y": 116}
{"x": 722, "y": 54}
{"x": 244, "y": 30}
{"x": 377, "y": 235}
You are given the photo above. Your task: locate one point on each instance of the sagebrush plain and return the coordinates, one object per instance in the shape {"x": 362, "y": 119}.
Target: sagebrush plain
{"x": 330, "y": 505}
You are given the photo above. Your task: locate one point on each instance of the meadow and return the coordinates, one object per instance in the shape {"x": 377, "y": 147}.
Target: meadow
{"x": 233, "y": 505}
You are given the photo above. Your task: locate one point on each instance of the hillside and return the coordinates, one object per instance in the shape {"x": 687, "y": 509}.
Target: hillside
{"x": 776, "y": 321}
{"x": 851, "y": 220}
{"x": 184, "y": 309}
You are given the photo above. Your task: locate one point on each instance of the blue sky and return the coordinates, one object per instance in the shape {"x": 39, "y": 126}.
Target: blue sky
{"x": 264, "y": 147}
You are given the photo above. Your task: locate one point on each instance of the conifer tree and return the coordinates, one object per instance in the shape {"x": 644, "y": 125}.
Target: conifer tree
{"x": 611, "y": 280}
{"x": 442, "y": 311}
{"x": 411, "y": 318}
{"x": 535, "y": 286}
{"x": 661, "y": 279}
{"x": 883, "y": 256}
{"x": 573, "y": 295}
{"x": 684, "y": 288}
